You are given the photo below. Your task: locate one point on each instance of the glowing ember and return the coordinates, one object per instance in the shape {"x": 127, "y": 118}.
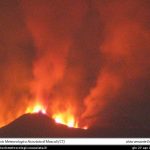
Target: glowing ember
{"x": 36, "y": 109}
{"x": 85, "y": 127}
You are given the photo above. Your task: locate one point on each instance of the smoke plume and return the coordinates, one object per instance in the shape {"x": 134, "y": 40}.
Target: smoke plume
{"x": 86, "y": 55}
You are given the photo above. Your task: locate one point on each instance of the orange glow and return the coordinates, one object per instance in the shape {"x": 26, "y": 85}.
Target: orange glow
{"x": 36, "y": 109}
{"x": 85, "y": 127}
{"x": 66, "y": 119}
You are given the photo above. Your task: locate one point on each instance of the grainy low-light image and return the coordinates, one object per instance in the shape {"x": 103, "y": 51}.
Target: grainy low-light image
{"x": 74, "y": 68}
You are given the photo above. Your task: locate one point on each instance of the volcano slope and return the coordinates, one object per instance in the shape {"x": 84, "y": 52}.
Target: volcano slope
{"x": 38, "y": 125}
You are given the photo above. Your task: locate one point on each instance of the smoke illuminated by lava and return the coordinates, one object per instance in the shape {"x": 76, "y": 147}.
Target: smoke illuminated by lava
{"x": 86, "y": 61}
{"x": 36, "y": 108}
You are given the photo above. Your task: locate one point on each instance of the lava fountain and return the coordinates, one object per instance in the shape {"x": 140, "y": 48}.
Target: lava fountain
{"x": 66, "y": 117}
{"x": 36, "y": 108}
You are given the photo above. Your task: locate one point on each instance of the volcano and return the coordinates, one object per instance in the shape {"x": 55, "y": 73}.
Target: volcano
{"x": 38, "y": 125}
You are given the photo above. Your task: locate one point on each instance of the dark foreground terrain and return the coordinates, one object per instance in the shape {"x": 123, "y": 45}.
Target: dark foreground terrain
{"x": 39, "y": 125}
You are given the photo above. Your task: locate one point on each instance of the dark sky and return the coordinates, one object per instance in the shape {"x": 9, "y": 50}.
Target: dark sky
{"x": 89, "y": 56}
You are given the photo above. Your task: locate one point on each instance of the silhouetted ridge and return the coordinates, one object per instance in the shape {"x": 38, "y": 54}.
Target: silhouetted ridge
{"x": 38, "y": 125}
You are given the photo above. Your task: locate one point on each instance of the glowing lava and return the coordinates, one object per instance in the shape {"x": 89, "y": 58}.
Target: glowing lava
{"x": 36, "y": 109}
{"x": 85, "y": 127}
{"x": 66, "y": 119}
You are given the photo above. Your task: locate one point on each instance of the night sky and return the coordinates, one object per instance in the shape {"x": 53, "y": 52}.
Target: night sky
{"x": 90, "y": 56}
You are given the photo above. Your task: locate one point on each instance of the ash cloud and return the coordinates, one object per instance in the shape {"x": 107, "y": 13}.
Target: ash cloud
{"x": 93, "y": 55}
{"x": 84, "y": 60}
{"x": 16, "y": 56}
{"x": 121, "y": 91}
